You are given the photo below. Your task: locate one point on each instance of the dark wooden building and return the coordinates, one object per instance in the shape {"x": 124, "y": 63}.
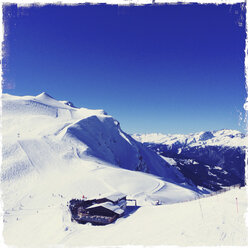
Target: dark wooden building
{"x": 99, "y": 211}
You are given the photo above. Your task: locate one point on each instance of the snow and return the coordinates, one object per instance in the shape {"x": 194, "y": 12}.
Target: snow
{"x": 171, "y": 161}
{"x": 53, "y": 152}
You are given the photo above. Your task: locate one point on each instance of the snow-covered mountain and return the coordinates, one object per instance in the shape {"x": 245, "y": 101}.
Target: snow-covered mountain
{"x": 43, "y": 123}
{"x": 210, "y": 159}
{"x": 53, "y": 152}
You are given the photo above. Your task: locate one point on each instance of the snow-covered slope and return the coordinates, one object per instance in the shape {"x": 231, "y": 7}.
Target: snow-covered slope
{"x": 53, "y": 152}
{"x": 210, "y": 159}
{"x": 41, "y": 123}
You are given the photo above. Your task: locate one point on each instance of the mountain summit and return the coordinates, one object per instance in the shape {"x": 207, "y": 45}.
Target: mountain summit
{"x": 44, "y": 96}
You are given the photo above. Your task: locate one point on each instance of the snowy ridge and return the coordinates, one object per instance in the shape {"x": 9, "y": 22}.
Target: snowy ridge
{"x": 88, "y": 132}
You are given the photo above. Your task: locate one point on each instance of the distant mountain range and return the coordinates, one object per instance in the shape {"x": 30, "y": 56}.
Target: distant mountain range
{"x": 209, "y": 159}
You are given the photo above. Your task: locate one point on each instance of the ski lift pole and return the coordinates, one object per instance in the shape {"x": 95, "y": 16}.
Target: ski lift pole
{"x": 200, "y": 207}
{"x": 237, "y": 205}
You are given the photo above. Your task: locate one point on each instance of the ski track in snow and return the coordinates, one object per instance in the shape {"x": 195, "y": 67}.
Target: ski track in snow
{"x": 30, "y": 160}
{"x": 33, "y": 149}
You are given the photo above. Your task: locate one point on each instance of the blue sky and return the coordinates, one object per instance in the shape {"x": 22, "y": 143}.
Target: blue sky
{"x": 166, "y": 68}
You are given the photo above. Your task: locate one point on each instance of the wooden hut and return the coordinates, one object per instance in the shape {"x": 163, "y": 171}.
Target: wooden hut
{"x": 99, "y": 211}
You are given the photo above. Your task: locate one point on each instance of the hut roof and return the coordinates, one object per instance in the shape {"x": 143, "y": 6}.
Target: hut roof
{"x": 116, "y": 196}
{"x": 110, "y": 206}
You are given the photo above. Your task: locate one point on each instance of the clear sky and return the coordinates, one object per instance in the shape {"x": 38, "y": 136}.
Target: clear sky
{"x": 165, "y": 68}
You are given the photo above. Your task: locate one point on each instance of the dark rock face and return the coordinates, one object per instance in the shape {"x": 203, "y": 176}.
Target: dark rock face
{"x": 207, "y": 135}
{"x": 212, "y": 167}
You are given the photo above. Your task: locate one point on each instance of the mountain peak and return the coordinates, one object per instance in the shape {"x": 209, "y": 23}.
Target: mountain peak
{"x": 44, "y": 95}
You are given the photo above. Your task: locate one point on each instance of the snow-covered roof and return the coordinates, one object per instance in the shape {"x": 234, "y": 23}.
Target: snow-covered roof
{"x": 116, "y": 196}
{"x": 108, "y": 205}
